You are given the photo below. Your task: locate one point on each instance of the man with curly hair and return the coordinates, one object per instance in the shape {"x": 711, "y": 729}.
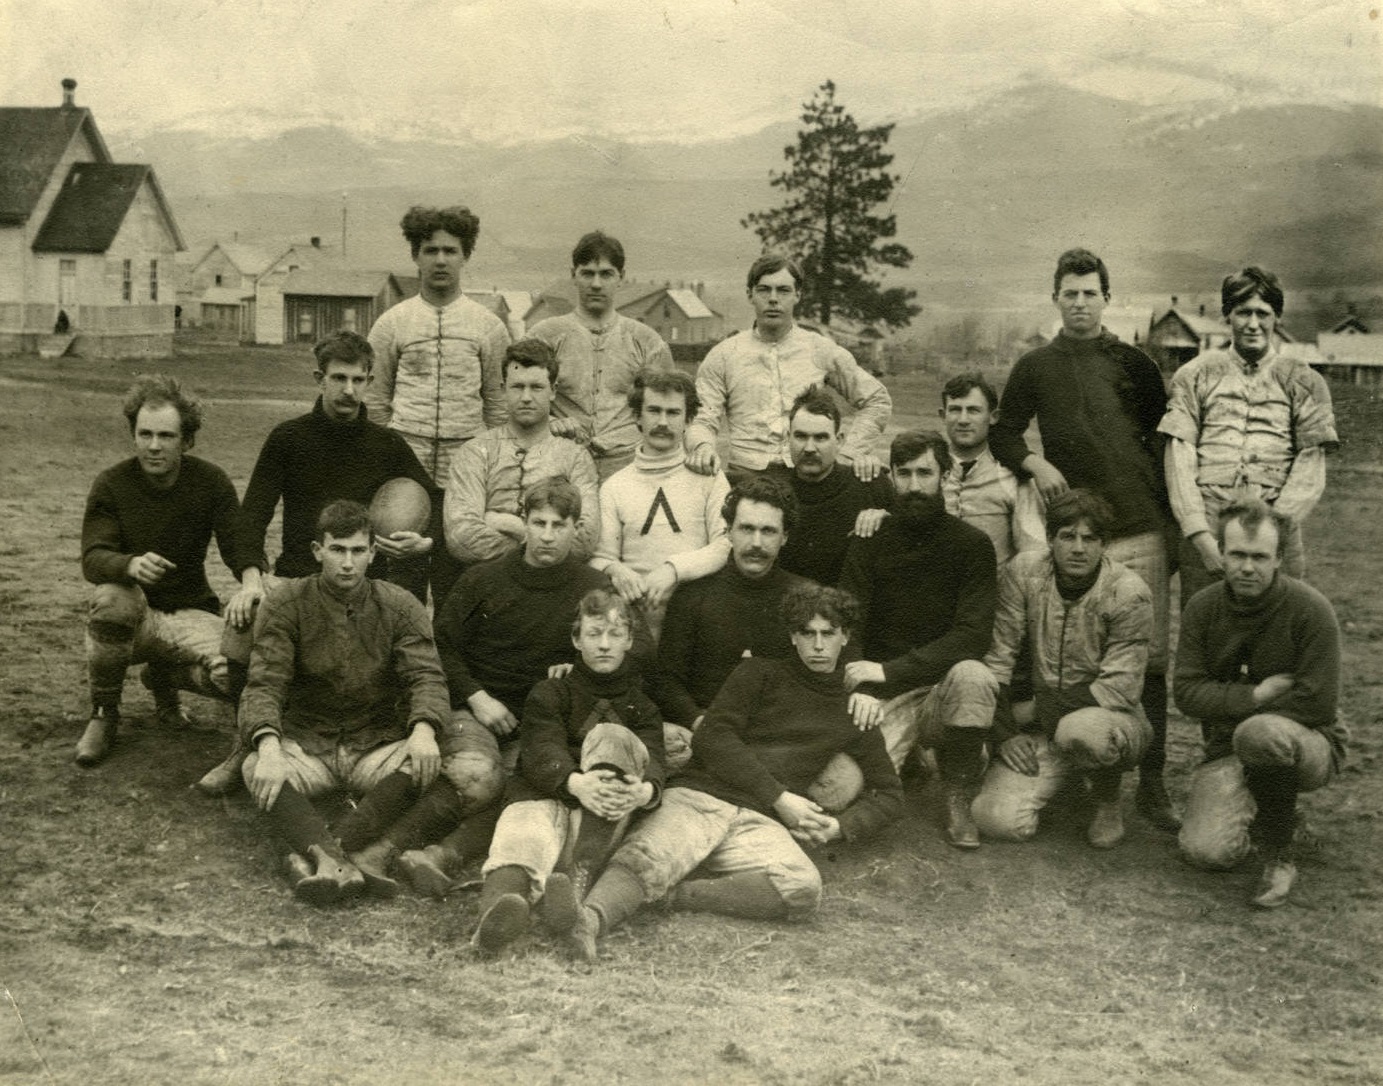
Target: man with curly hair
{"x": 740, "y": 813}
{"x": 145, "y": 532}
{"x": 438, "y": 358}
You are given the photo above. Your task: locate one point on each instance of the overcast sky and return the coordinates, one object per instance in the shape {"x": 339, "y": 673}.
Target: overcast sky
{"x": 509, "y": 70}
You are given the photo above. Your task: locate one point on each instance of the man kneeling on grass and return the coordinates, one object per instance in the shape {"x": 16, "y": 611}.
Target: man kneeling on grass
{"x": 740, "y": 808}
{"x": 590, "y": 758}
{"x": 345, "y": 691}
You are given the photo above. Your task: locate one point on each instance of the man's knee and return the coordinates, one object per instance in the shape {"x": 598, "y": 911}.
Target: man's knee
{"x": 608, "y": 743}
{"x": 1266, "y": 740}
{"x": 1095, "y": 737}
{"x": 1219, "y": 810}
{"x": 969, "y": 692}
{"x": 799, "y": 885}
{"x": 478, "y": 778}
{"x": 116, "y": 611}
{"x": 1003, "y": 810}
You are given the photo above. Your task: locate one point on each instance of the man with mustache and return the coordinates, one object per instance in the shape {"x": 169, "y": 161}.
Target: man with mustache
{"x": 600, "y": 352}
{"x": 333, "y": 452}
{"x": 489, "y": 476}
{"x": 835, "y": 503}
{"x": 1086, "y": 620}
{"x": 1247, "y": 422}
{"x": 751, "y": 378}
{"x": 660, "y": 523}
{"x": 1098, "y": 402}
{"x": 1258, "y": 663}
{"x": 926, "y": 582}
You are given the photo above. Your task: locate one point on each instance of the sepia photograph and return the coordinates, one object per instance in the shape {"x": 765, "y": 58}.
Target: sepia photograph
{"x": 729, "y": 542}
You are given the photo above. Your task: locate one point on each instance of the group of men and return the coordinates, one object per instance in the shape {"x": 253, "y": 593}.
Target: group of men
{"x": 639, "y": 666}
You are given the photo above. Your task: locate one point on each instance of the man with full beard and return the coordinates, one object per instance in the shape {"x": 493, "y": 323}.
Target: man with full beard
{"x": 926, "y": 581}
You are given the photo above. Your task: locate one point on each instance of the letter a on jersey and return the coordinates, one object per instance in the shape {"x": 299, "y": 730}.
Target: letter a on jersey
{"x": 660, "y": 502}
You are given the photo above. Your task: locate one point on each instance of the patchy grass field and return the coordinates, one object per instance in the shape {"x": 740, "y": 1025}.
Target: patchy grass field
{"x": 144, "y": 937}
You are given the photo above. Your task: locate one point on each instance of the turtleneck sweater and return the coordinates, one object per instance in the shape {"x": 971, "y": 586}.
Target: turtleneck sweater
{"x": 506, "y": 622}
{"x": 773, "y": 728}
{"x": 1229, "y": 645}
{"x": 1098, "y": 403}
{"x": 658, "y": 510}
{"x": 310, "y": 462}
{"x": 711, "y": 624}
{"x": 927, "y": 587}
{"x": 817, "y": 544}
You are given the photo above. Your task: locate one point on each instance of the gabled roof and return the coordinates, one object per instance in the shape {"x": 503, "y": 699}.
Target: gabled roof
{"x": 1195, "y": 323}
{"x": 91, "y": 205}
{"x": 247, "y": 259}
{"x": 689, "y": 303}
{"x": 337, "y": 282}
{"x": 32, "y": 143}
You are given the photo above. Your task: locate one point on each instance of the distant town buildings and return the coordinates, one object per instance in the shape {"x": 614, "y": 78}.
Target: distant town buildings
{"x": 87, "y": 245}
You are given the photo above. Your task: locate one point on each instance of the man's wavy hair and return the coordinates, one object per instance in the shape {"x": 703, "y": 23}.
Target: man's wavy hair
{"x": 808, "y": 601}
{"x": 159, "y": 390}
{"x": 761, "y": 488}
{"x": 1238, "y": 289}
{"x": 420, "y": 223}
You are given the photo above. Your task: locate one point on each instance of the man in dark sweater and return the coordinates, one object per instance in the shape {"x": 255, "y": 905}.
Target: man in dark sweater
{"x": 1098, "y": 402}
{"x": 926, "y": 583}
{"x": 506, "y": 624}
{"x": 1258, "y": 663}
{"x": 714, "y": 622}
{"x": 739, "y": 811}
{"x": 145, "y": 533}
{"x": 332, "y": 453}
{"x": 835, "y": 504}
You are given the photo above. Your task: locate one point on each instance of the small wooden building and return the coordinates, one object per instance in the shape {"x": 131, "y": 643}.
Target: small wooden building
{"x": 87, "y": 245}
{"x": 321, "y": 300}
{"x": 1353, "y": 357}
{"x": 1177, "y": 336}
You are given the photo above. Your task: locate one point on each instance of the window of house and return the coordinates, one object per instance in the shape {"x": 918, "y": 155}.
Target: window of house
{"x": 348, "y": 319}
{"x": 673, "y": 330}
{"x": 218, "y": 280}
{"x": 153, "y": 280}
{"x": 305, "y": 324}
{"x": 127, "y": 281}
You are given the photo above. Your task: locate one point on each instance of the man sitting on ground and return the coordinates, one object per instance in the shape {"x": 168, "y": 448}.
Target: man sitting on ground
{"x": 345, "y": 691}
{"x": 740, "y": 810}
{"x": 590, "y": 758}
{"x": 1258, "y": 663}
{"x": 145, "y": 532}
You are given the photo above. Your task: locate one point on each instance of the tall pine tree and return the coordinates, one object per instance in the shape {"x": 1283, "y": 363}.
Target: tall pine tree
{"x": 837, "y": 174}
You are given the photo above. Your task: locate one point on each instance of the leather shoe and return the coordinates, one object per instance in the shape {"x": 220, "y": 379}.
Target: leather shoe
{"x": 582, "y": 939}
{"x": 1275, "y": 884}
{"x": 425, "y": 870}
{"x": 373, "y": 863}
{"x": 332, "y": 880}
{"x": 1153, "y": 803}
{"x": 961, "y": 831}
{"x": 222, "y": 778}
{"x": 1107, "y": 827}
{"x": 98, "y": 737}
{"x": 503, "y": 922}
{"x": 559, "y": 906}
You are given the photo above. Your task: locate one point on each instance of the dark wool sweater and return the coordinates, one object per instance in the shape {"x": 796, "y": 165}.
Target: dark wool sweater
{"x": 1228, "y": 646}
{"x": 126, "y": 516}
{"x": 928, "y": 592}
{"x": 710, "y": 625}
{"x": 506, "y": 622}
{"x": 560, "y": 713}
{"x": 310, "y": 462}
{"x": 772, "y": 730}
{"x": 1098, "y": 403}
{"x": 816, "y": 546}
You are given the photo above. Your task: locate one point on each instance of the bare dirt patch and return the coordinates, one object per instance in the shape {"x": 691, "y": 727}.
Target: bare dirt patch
{"x": 144, "y": 937}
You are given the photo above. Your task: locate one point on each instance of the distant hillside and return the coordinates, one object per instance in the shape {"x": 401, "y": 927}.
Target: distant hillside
{"x": 989, "y": 194}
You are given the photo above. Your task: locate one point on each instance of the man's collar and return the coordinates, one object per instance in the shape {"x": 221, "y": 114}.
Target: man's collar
{"x": 760, "y": 338}
{"x": 596, "y": 327}
{"x": 1253, "y": 367}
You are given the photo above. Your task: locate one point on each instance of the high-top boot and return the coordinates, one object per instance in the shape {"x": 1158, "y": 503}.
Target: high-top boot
{"x": 747, "y": 894}
{"x": 1151, "y": 799}
{"x": 378, "y": 809}
{"x": 1107, "y": 826}
{"x": 99, "y": 736}
{"x": 960, "y": 757}
{"x": 616, "y": 895}
{"x": 1274, "y": 790}
{"x": 503, "y": 909}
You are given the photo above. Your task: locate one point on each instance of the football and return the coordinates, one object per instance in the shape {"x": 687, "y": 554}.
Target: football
{"x": 400, "y": 505}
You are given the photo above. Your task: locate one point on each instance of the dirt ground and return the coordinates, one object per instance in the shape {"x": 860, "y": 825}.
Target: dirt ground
{"x": 146, "y": 938}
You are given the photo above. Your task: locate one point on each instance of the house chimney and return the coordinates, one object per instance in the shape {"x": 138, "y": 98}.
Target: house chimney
{"x": 69, "y": 88}
{"x": 1174, "y": 301}
{"x": 316, "y": 243}
{"x": 1202, "y": 309}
